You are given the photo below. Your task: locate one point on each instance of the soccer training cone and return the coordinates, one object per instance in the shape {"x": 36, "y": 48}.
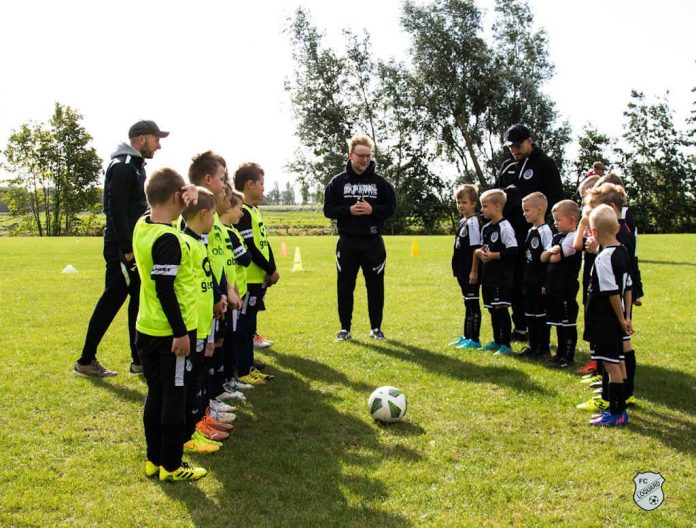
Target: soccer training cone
{"x": 283, "y": 249}
{"x": 69, "y": 269}
{"x": 297, "y": 264}
{"x": 415, "y": 251}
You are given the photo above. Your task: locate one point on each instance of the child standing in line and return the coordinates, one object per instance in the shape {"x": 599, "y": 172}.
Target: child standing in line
{"x": 466, "y": 241}
{"x": 497, "y": 257}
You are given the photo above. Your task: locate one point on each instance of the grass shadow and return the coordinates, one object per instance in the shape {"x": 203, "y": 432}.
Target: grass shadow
{"x": 124, "y": 393}
{"x": 671, "y": 431}
{"x": 667, "y": 263}
{"x": 672, "y": 388}
{"x": 456, "y": 368}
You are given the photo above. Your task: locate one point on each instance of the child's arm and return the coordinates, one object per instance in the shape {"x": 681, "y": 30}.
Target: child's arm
{"x": 628, "y": 314}
{"x": 553, "y": 251}
{"x": 473, "y": 275}
{"x": 615, "y": 301}
{"x": 579, "y": 240}
{"x": 245, "y": 229}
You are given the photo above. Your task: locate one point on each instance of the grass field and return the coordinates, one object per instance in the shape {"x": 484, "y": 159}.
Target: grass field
{"x": 487, "y": 441}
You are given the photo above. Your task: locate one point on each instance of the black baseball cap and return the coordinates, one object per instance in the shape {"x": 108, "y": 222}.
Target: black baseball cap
{"x": 144, "y": 128}
{"x": 516, "y": 134}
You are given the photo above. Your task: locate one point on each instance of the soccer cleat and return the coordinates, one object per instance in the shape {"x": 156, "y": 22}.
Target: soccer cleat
{"x": 594, "y": 404}
{"x": 591, "y": 378}
{"x": 607, "y": 419}
{"x": 135, "y": 369}
{"x": 252, "y": 380}
{"x": 492, "y": 346}
{"x": 230, "y": 395}
{"x": 519, "y": 335}
{"x": 93, "y": 370}
{"x": 503, "y": 350}
{"x": 199, "y": 437}
{"x": 598, "y": 390}
{"x": 260, "y": 375}
{"x": 184, "y": 472}
{"x": 376, "y": 333}
{"x": 200, "y": 447}
{"x": 588, "y": 368}
{"x": 151, "y": 470}
{"x": 459, "y": 341}
{"x": 343, "y": 335}
{"x": 596, "y": 384}
{"x": 259, "y": 364}
{"x": 561, "y": 363}
{"x": 217, "y": 405}
{"x": 221, "y": 416}
{"x": 260, "y": 342}
{"x": 235, "y": 385}
{"x": 220, "y": 426}
{"x": 470, "y": 344}
{"x": 631, "y": 400}
{"x": 211, "y": 433}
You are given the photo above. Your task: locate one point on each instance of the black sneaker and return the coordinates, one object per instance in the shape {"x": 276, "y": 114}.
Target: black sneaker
{"x": 376, "y": 333}
{"x": 344, "y": 335}
{"x": 260, "y": 365}
{"x": 519, "y": 336}
{"x": 561, "y": 363}
{"x": 135, "y": 369}
{"x": 528, "y": 353}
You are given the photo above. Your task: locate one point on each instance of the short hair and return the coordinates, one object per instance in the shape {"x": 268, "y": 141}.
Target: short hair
{"x": 206, "y": 201}
{"x": 603, "y": 219}
{"x": 607, "y": 193}
{"x": 567, "y": 208}
{"x": 612, "y": 177}
{"x": 162, "y": 185}
{"x": 536, "y": 199}
{"x": 248, "y": 171}
{"x": 360, "y": 139}
{"x": 232, "y": 197}
{"x": 496, "y": 196}
{"x": 467, "y": 190}
{"x": 202, "y": 165}
{"x": 586, "y": 184}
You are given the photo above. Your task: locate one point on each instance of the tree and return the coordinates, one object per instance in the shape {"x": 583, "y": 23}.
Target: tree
{"x": 54, "y": 171}
{"x": 272, "y": 197}
{"x": 592, "y": 146}
{"x": 287, "y": 197}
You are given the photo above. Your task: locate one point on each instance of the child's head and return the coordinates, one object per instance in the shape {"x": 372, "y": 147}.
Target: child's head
{"x": 565, "y": 215}
{"x": 200, "y": 216}
{"x": 208, "y": 171}
{"x": 534, "y": 207}
{"x": 604, "y": 223}
{"x": 587, "y": 184}
{"x": 606, "y": 193}
{"x": 163, "y": 188}
{"x": 612, "y": 177}
{"x": 492, "y": 204}
{"x": 466, "y": 196}
{"x": 248, "y": 179}
{"x": 230, "y": 207}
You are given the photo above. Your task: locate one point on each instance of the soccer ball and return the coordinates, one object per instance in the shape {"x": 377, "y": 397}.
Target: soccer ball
{"x": 387, "y": 404}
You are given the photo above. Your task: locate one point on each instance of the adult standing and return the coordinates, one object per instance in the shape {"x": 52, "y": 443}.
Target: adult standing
{"x": 124, "y": 203}
{"x": 527, "y": 170}
{"x": 360, "y": 200}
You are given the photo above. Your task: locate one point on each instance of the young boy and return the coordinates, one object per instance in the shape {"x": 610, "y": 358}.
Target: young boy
{"x": 466, "y": 241}
{"x": 539, "y": 238}
{"x": 561, "y": 286}
{"x": 199, "y": 220}
{"x": 166, "y": 326}
{"x": 497, "y": 255}
{"x": 606, "y": 323}
{"x": 262, "y": 272}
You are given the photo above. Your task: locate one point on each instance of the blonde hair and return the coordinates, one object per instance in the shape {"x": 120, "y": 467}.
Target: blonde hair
{"x": 536, "y": 199}
{"x": 603, "y": 219}
{"x": 360, "y": 139}
{"x": 468, "y": 190}
{"x": 495, "y": 196}
{"x": 206, "y": 201}
{"x": 587, "y": 184}
{"x": 607, "y": 193}
{"x": 567, "y": 208}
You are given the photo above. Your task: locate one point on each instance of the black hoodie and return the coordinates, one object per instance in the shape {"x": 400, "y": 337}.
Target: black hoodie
{"x": 344, "y": 190}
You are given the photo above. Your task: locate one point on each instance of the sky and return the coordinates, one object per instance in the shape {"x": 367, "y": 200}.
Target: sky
{"x": 212, "y": 72}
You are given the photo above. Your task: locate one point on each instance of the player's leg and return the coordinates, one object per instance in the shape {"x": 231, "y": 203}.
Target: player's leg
{"x": 347, "y": 265}
{"x": 517, "y": 299}
{"x": 472, "y": 326}
{"x": 531, "y": 311}
{"x": 373, "y": 262}
{"x": 133, "y": 305}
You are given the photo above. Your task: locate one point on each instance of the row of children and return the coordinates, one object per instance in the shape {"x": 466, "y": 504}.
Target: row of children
{"x": 204, "y": 267}
{"x": 483, "y": 259}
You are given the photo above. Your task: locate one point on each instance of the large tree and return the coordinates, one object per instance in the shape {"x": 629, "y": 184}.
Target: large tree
{"x": 54, "y": 172}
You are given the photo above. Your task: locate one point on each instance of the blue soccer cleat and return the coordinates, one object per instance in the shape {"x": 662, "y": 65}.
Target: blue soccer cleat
{"x": 491, "y": 347}
{"x": 606, "y": 419}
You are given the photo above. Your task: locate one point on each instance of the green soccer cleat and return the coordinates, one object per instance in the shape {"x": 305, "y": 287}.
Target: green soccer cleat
{"x": 491, "y": 347}
{"x": 591, "y": 379}
{"x": 151, "y": 470}
{"x": 595, "y": 405}
{"x": 632, "y": 400}
{"x": 503, "y": 350}
{"x": 184, "y": 472}
{"x": 470, "y": 344}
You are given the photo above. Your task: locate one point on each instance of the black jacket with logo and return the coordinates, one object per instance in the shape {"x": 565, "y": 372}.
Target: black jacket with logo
{"x": 346, "y": 188}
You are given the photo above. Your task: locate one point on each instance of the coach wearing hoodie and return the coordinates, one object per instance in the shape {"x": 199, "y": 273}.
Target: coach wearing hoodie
{"x": 360, "y": 200}
{"x": 124, "y": 203}
{"x": 527, "y": 170}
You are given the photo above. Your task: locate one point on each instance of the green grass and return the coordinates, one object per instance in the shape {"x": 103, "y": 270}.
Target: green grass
{"x": 487, "y": 441}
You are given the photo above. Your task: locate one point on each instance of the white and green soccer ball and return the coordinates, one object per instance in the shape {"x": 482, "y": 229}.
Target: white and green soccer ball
{"x": 387, "y": 404}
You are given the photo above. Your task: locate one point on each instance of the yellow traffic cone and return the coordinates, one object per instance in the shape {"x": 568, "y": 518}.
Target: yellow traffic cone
{"x": 283, "y": 249}
{"x": 414, "y": 248}
{"x": 297, "y": 264}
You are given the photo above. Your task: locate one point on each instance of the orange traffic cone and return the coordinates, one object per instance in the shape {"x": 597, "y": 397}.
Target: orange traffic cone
{"x": 283, "y": 249}
{"x": 415, "y": 251}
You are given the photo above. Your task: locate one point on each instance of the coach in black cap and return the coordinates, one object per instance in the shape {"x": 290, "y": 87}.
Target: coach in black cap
{"x": 124, "y": 203}
{"x": 527, "y": 170}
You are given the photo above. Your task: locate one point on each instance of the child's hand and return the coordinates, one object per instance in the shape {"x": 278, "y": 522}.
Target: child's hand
{"x": 629, "y": 326}
{"x": 209, "y": 349}
{"x": 235, "y": 301}
{"x": 273, "y": 278}
{"x": 189, "y": 194}
{"x": 181, "y": 346}
{"x": 592, "y": 245}
{"x": 638, "y": 301}
{"x": 554, "y": 250}
{"x": 543, "y": 290}
{"x": 220, "y": 307}
{"x": 473, "y": 277}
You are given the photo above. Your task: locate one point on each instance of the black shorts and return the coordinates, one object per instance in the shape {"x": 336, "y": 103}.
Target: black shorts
{"x": 534, "y": 304}
{"x": 495, "y": 296}
{"x": 470, "y": 292}
{"x": 608, "y": 352}
{"x": 561, "y": 312}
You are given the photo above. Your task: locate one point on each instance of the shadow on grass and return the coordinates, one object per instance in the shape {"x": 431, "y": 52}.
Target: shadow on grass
{"x": 667, "y": 263}
{"x": 297, "y": 462}
{"x": 456, "y": 368}
{"x": 123, "y": 393}
{"x": 672, "y": 431}
{"x": 671, "y": 388}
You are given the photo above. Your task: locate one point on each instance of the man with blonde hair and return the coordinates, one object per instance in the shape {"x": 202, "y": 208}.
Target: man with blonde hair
{"x": 359, "y": 200}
